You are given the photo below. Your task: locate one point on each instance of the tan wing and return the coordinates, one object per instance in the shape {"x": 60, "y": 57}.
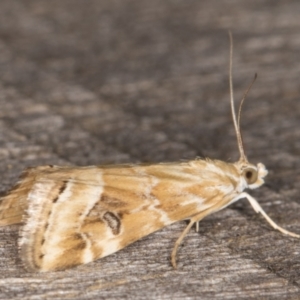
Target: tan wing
{"x": 14, "y": 203}
{"x": 77, "y": 215}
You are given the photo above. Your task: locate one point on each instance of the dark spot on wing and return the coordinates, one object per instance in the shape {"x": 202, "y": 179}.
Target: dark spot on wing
{"x": 76, "y": 236}
{"x": 111, "y": 201}
{"x": 113, "y": 222}
{"x": 80, "y": 246}
{"x": 61, "y": 190}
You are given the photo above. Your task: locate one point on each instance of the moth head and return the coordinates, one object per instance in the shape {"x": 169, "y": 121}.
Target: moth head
{"x": 252, "y": 176}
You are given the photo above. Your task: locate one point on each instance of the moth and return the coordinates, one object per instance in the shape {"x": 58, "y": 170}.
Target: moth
{"x": 75, "y": 215}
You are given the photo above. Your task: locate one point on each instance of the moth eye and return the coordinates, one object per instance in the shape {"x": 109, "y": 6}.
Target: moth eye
{"x": 250, "y": 175}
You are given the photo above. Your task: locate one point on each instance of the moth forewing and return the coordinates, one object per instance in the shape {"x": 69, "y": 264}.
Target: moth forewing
{"x": 101, "y": 210}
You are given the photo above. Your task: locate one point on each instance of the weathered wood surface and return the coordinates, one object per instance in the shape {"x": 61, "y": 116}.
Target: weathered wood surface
{"x": 97, "y": 82}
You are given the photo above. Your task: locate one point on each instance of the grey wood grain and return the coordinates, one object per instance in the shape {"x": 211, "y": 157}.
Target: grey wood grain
{"x": 97, "y": 82}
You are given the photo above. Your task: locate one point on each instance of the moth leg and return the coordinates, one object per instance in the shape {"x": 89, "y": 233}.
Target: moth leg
{"x": 197, "y": 226}
{"x": 259, "y": 209}
{"x": 180, "y": 239}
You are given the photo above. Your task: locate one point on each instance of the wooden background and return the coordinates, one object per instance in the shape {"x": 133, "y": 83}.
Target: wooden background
{"x": 97, "y": 82}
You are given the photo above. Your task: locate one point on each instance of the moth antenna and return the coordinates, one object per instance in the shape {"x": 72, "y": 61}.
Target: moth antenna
{"x": 236, "y": 126}
{"x": 242, "y": 101}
